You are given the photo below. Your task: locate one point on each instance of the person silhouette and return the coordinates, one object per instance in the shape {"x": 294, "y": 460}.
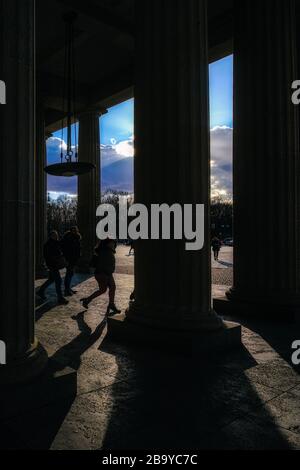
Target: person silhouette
{"x": 131, "y": 244}
{"x": 71, "y": 247}
{"x": 104, "y": 262}
{"x": 216, "y": 247}
{"x": 55, "y": 261}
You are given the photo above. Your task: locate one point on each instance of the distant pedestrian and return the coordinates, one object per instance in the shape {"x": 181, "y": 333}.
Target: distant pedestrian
{"x": 131, "y": 243}
{"x": 216, "y": 247}
{"x": 104, "y": 262}
{"x": 71, "y": 247}
{"x": 55, "y": 261}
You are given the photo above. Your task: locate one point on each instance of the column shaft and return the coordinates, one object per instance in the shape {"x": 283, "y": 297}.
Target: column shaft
{"x": 40, "y": 191}
{"x": 173, "y": 286}
{"x": 89, "y": 184}
{"x": 17, "y": 149}
{"x": 266, "y": 156}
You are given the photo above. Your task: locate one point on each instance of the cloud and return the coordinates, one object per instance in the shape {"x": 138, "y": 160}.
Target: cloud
{"x": 125, "y": 148}
{"x": 54, "y": 147}
{"x": 55, "y": 183}
{"x": 110, "y": 154}
{"x": 221, "y": 161}
{"x": 58, "y": 184}
{"x": 118, "y": 150}
{"x": 54, "y": 195}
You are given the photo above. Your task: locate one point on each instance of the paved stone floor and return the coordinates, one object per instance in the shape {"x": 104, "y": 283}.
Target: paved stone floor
{"x": 134, "y": 398}
{"x": 222, "y": 270}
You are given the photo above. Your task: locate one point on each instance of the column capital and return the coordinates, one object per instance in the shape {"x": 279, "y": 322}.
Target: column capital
{"x": 92, "y": 111}
{"x": 48, "y": 135}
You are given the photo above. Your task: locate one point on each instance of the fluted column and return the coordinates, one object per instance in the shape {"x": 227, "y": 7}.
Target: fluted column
{"x": 88, "y": 185}
{"x": 266, "y": 158}
{"x": 25, "y": 357}
{"x": 40, "y": 191}
{"x": 173, "y": 285}
{"x": 172, "y": 303}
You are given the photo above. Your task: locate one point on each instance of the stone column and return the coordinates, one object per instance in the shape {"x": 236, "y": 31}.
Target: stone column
{"x": 88, "y": 185}
{"x": 25, "y": 357}
{"x": 266, "y": 161}
{"x": 40, "y": 191}
{"x": 172, "y": 165}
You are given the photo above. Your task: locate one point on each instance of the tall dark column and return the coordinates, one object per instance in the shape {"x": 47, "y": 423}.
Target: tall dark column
{"x": 266, "y": 159}
{"x": 40, "y": 190}
{"x": 89, "y": 184}
{"x": 25, "y": 357}
{"x": 172, "y": 164}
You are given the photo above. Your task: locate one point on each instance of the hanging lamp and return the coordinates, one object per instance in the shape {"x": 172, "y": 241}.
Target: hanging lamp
{"x": 69, "y": 165}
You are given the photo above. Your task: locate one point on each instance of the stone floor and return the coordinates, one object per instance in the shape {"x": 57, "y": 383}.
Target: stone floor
{"x": 134, "y": 398}
{"x": 222, "y": 270}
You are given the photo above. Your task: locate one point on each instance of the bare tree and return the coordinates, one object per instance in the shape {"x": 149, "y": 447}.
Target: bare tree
{"x": 221, "y": 217}
{"x": 61, "y": 214}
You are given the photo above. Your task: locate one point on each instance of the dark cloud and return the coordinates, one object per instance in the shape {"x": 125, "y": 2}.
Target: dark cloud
{"x": 120, "y": 176}
{"x": 54, "y": 183}
{"x": 109, "y": 155}
{"x": 58, "y": 184}
{"x": 221, "y": 158}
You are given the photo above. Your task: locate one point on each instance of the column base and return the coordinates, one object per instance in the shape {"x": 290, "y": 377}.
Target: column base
{"x": 26, "y": 368}
{"x": 231, "y": 305}
{"x": 122, "y": 329}
{"x": 163, "y": 318}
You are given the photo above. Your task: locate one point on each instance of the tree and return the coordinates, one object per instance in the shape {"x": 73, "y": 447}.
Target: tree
{"x": 222, "y": 217}
{"x": 61, "y": 214}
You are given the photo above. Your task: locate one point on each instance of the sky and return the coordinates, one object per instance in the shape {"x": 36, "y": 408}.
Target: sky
{"x": 117, "y": 130}
{"x": 221, "y": 92}
{"x": 117, "y": 124}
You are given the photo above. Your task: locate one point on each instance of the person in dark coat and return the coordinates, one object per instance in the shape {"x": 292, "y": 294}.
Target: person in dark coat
{"x": 55, "y": 261}
{"x": 216, "y": 247}
{"x": 104, "y": 262}
{"x": 71, "y": 247}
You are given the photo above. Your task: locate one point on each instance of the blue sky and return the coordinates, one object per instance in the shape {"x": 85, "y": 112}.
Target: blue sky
{"x": 221, "y": 92}
{"x": 118, "y": 124}
{"x": 117, "y": 130}
{"x": 221, "y": 123}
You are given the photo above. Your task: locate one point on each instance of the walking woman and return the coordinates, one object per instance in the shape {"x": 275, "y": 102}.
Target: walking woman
{"x": 55, "y": 261}
{"x": 104, "y": 262}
